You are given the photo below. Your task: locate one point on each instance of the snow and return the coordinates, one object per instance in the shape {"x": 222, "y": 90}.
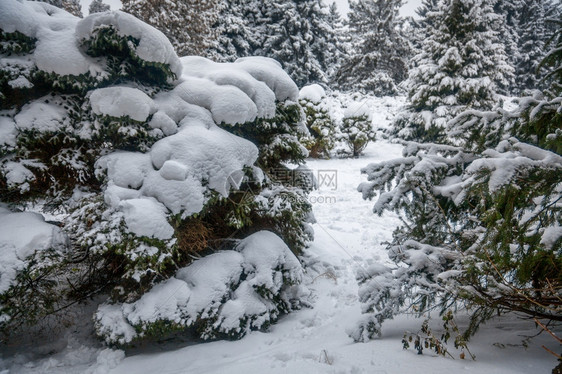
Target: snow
{"x": 227, "y": 104}
{"x": 20, "y": 82}
{"x": 347, "y": 242}
{"x": 551, "y": 235}
{"x": 7, "y": 131}
{"x": 228, "y": 76}
{"x": 59, "y": 35}
{"x": 146, "y": 217}
{"x": 56, "y": 50}
{"x": 225, "y": 289}
{"x": 121, "y": 102}
{"x": 358, "y": 109}
{"x": 40, "y": 116}
{"x": 127, "y": 25}
{"x": 270, "y": 72}
{"x": 21, "y": 235}
{"x": 313, "y": 92}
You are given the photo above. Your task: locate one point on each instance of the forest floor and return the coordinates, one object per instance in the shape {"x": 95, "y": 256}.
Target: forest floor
{"x": 348, "y": 237}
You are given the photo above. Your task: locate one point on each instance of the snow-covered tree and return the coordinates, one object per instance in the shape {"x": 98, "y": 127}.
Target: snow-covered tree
{"x": 147, "y": 174}
{"x": 532, "y": 40}
{"x": 356, "y": 129}
{"x": 460, "y": 66}
{"x": 97, "y": 6}
{"x": 321, "y": 127}
{"x": 298, "y": 36}
{"x": 186, "y": 23}
{"x": 338, "y": 40}
{"x": 481, "y": 220}
{"x": 239, "y": 30}
{"x": 378, "y": 57}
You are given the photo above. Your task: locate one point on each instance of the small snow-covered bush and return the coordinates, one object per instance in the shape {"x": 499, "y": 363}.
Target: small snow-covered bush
{"x": 226, "y": 294}
{"x": 149, "y": 161}
{"x": 356, "y": 130}
{"x": 29, "y": 278}
{"x": 318, "y": 121}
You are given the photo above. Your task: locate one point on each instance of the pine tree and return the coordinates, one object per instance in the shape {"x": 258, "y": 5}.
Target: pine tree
{"x": 509, "y": 34}
{"x": 297, "y": 35}
{"x": 531, "y": 43}
{"x": 378, "y": 61}
{"x": 338, "y": 41}
{"x": 186, "y": 23}
{"x": 98, "y": 6}
{"x": 481, "y": 220}
{"x": 238, "y": 29}
{"x": 461, "y": 65}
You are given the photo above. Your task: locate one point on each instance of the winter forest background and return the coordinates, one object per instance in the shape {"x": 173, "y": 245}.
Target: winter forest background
{"x": 280, "y": 180}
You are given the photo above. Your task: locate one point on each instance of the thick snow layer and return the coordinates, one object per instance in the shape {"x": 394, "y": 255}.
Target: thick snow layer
{"x": 153, "y": 45}
{"x": 358, "y": 109}
{"x": 7, "y": 131}
{"x": 270, "y": 72}
{"x": 56, "y": 50}
{"x": 177, "y": 172}
{"x": 209, "y": 152}
{"x": 313, "y": 92}
{"x": 227, "y": 104}
{"x": 21, "y": 234}
{"x": 122, "y": 101}
{"x": 147, "y": 217}
{"x": 59, "y": 35}
{"x": 225, "y": 287}
{"x": 41, "y": 117}
{"x": 230, "y": 76}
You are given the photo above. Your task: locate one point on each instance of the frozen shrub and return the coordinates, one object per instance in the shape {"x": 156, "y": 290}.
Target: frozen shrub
{"x": 356, "y": 130}
{"x": 147, "y": 171}
{"x": 321, "y": 128}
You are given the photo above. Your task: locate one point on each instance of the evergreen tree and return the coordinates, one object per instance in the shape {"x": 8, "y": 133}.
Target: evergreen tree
{"x": 298, "y": 35}
{"x": 531, "y": 43}
{"x": 379, "y": 52}
{"x": 98, "y": 6}
{"x": 238, "y": 29}
{"x": 481, "y": 220}
{"x": 338, "y": 41}
{"x": 72, "y": 136}
{"x": 460, "y": 66}
{"x": 186, "y": 23}
{"x": 509, "y": 34}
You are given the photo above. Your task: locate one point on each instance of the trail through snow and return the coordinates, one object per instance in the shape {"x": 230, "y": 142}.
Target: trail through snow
{"x": 348, "y": 237}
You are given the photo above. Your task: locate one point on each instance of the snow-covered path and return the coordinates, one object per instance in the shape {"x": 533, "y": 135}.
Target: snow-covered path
{"x": 347, "y": 236}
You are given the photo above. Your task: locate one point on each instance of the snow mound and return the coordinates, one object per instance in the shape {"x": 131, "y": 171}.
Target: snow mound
{"x": 226, "y": 293}
{"x": 174, "y": 175}
{"x": 59, "y": 35}
{"x": 313, "y": 92}
{"x": 41, "y": 117}
{"x": 21, "y": 235}
{"x": 7, "y": 132}
{"x": 270, "y": 72}
{"x": 153, "y": 46}
{"x": 357, "y": 109}
{"x": 236, "y": 78}
{"x": 122, "y": 101}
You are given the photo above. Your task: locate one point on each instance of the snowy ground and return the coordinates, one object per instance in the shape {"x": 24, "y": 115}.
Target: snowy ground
{"x": 348, "y": 237}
